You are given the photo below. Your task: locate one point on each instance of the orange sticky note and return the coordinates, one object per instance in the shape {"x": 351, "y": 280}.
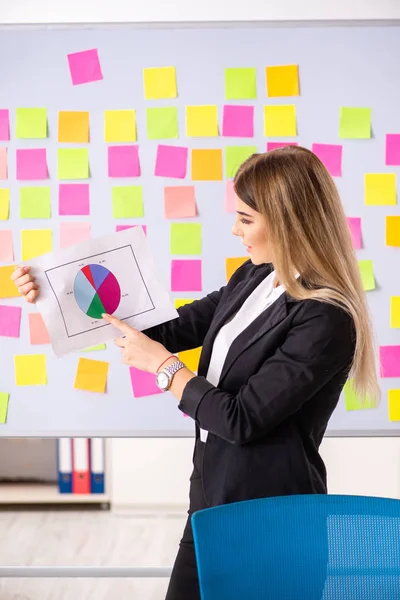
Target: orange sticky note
{"x": 231, "y": 264}
{"x": 282, "y": 81}
{"x": 179, "y": 201}
{"x": 91, "y": 375}
{"x": 8, "y": 288}
{"x": 73, "y": 126}
{"x": 206, "y": 164}
{"x": 190, "y": 358}
{"x": 38, "y": 333}
{"x": 393, "y": 231}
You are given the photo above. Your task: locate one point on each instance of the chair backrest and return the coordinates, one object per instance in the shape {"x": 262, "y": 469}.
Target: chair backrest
{"x": 317, "y": 547}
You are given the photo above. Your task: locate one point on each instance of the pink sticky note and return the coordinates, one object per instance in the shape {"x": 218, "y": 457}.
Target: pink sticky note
{"x": 355, "y": 230}
{"x": 276, "y": 145}
{"x": 31, "y": 164}
{"x": 74, "y": 233}
{"x": 73, "y": 199}
{"x": 143, "y": 383}
{"x": 230, "y": 197}
{"x": 390, "y": 361}
{"x": 4, "y": 124}
{"x": 238, "y": 121}
{"x": 37, "y": 329}
{"x": 122, "y": 227}
{"x": 331, "y": 156}
{"x": 6, "y": 245}
{"x": 179, "y": 202}
{"x": 10, "y": 321}
{"x": 3, "y": 163}
{"x": 85, "y": 66}
{"x": 186, "y": 276}
{"x": 171, "y": 161}
{"x": 393, "y": 149}
{"x": 123, "y": 161}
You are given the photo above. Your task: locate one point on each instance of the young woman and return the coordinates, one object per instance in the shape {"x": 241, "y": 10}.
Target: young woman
{"x": 279, "y": 341}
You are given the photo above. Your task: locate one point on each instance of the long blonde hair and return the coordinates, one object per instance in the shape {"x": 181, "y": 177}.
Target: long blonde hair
{"x": 309, "y": 234}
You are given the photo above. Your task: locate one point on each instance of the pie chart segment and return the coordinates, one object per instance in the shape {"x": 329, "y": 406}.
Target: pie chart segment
{"x": 99, "y": 274}
{"x": 110, "y": 294}
{"x": 96, "y": 291}
{"x": 84, "y": 291}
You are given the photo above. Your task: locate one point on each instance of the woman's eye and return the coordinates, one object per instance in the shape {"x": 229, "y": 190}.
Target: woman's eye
{"x": 245, "y": 221}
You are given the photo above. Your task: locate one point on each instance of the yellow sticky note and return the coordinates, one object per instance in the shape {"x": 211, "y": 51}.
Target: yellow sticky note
{"x": 91, "y": 375}
{"x": 159, "y": 82}
{"x": 120, "y": 126}
{"x": 30, "y": 369}
{"x": 182, "y": 301}
{"x": 35, "y": 242}
{"x": 231, "y": 264}
{"x": 394, "y": 405}
{"x": 190, "y": 358}
{"x": 380, "y": 189}
{"x": 280, "y": 120}
{"x": 355, "y": 123}
{"x": 95, "y": 348}
{"x": 392, "y": 231}
{"x": 202, "y": 121}
{"x": 282, "y": 81}
{"x": 206, "y": 164}
{"x": 8, "y": 288}
{"x": 367, "y": 274}
{"x": 395, "y": 311}
{"x": 3, "y": 407}
{"x": 31, "y": 123}
{"x": 352, "y": 400}
{"x": 73, "y": 163}
{"x": 4, "y": 204}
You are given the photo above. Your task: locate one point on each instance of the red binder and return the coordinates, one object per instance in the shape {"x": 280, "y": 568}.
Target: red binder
{"x": 80, "y": 466}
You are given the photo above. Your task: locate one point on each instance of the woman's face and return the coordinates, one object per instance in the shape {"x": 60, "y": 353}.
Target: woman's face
{"x": 251, "y": 227}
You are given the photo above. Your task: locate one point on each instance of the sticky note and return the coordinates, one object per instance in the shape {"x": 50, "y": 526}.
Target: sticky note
{"x": 237, "y": 121}
{"x": 185, "y": 238}
{"x": 191, "y": 358}
{"x": 8, "y": 288}
{"x": 230, "y": 197}
{"x": 178, "y": 302}
{"x": 31, "y": 123}
{"x": 6, "y": 245}
{"x": 240, "y": 83}
{"x": 202, "y": 121}
{"x": 179, "y": 202}
{"x": 91, "y": 375}
{"x": 380, "y": 189}
{"x": 122, "y": 227}
{"x": 231, "y": 264}
{"x": 162, "y": 123}
{"x": 38, "y": 333}
{"x": 355, "y": 122}
{"x": 367, "y": 274}
{"x": 276, "y": 145}
{"x": 395, "y": 311}
{"x": 120, "y": 125}
{"x": 171, "y": 161}
{"x": 159, "y": 82}
{"x": 282, "y": 80}
{"x": 280, "y": 120}
{"x": 31, "y": 164}
{"x": 352, "y": 400}
{"x": 186, "y": 276}
{"x": 355, "y": 231}
{"x": 123, "y": 161}
{"x": 35, "y": 242}
{"x": 73, "y": 199}
{"x": 235, "y": 156}
{"x": 331, "y": 156}
{"x": 84, "y": 67}
{"x": 73, "y": 126}
{"x": 127, "y": 201}
{"x": 10, "y": 321}
{"x": 4, "y": 124}
{"x": 34, "y": 202}
{"x": 392, "y": 155}
{"x": 394, "y": 405}
{"x": 4, "y": 204}
{"x": 73, "y": 163}
{"x": 206, "y": 164}
{"x": 393, "y": 231}
{"x": 143, "y": 383}
{"x": 30, "y": 369}
{"x": 4, "y": 398}
{"x": 95, "y": 348}
{"x": 3, "y": 164}
{"x": 74, "y": 233}
{"x": 389, "y": 357}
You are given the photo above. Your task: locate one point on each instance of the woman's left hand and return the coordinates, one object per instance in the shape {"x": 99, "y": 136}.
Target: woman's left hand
{"x": 137, "y": 349}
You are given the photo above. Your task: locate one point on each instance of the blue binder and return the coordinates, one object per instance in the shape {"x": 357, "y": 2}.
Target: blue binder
{"x": 97, "y": 464}
{"x": 64, "y": 462}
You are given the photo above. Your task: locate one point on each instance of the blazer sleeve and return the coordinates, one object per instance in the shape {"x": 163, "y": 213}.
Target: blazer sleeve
{"x": 316, "y": 348}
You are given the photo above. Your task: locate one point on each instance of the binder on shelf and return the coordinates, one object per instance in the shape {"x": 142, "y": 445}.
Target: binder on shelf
{"x": 64, "y": 463}
{"x": 80, "y": 466}
{"x": 97, "y": 465}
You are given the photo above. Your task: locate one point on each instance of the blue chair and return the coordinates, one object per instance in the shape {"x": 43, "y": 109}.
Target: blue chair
{"x": 316, "y": 547}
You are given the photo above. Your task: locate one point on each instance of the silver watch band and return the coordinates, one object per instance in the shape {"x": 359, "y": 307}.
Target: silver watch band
{"x": 172, "y": 369}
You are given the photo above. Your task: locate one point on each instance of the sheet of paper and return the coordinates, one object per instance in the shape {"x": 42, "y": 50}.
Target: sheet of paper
{"x": 191, "y": 358}
{"x": 207, "y": 164}
{"x": 202, "y": 120}
{"x": 394, "y": 405}
{"x": 31, "y": 123}
{"x": 85, "y": 66}
{"x": 73, "y": 163}
{"x": 35, "y": 242}
{"x": 390, "y": 361}
{"x": 171, "y": 161}
{"x": 235, "y": 156}
{"x": 355, "y": 123}
{"x": 122, "y": 227}
{"x": 91, "y": 375}
{"x": 34, "y": 202}
{"x": 159, "y": 82}
{"x": 123, "y": 161}
{"x": 31, "y": 164}
{"x": 6, "y": 245}
{"x": 186, "y": 275}
{"x": 4, "y": 125}
{"x": 4, "y": 204}
{"x": 230, "y": 197}
{"x": 393, "y": 231}
{"x": 233, "y": 263}
{"x": 380, "y": 189}
{"x": 282, "y": 80}
{"x": 115, "y": 273}
{"x": 7, "y": 286}
{"x": 38, "y": 333}
{"x": 73, "y": 233}
{"x": 162, "y": 123}
{"x": 276, "y": 145}
{"x": 73, "y": 199}
{"x": 120, "y": 125}
{"x": 73, "y": 126}
{"x": 395, "y": 311}
{"x": 331, "y": 156}
{"x": 4, "y": 398}
{"x": 352, "y": 400}
{"x": 240, "y": 83}
{"x": 367, "y": 274}
{"x": 127, "y": 201}
{"x": 95, "y": 348}
{"x": 355, "y": 231}
{"x": 392, "y": 149}
{"x": 143, "y": 383}
{"x": 30, "y": 369}
{"x": 237, "y": 121}
{"x": 280, "y": 120}
{"x": 179, "y": 202}
{"x": 185, "y": 238}
{"x": 10, "y": 321}
{"x": 3, "y": 164}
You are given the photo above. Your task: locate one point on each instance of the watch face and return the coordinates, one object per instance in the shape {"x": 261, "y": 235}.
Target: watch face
{"x": 162, "y": 380}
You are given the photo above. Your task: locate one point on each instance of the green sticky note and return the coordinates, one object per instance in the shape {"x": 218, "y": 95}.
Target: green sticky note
{"x": 34, "y": 202}
{"x": 127, "y": 201}
{"x": 234, "y": 156}
{"x": 354, "y": 402}
{"x": 73, "y": 163}
{"x": 92, "y": 348}
{"x": 355, "y": 122}
{"x": 3, "y": 407}
{"x": 162, "y": 123}
{"x": 185, "y": 238}
{"x": 367, "y": 274}
{"x": 31, "y": 123}
{"x": 240, "y": 84}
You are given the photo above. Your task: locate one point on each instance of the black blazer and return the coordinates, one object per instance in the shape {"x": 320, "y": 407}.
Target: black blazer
{"x": 279, "y": 385}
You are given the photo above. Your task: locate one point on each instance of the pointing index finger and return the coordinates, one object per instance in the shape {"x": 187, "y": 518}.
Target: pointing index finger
{"x": 124, "y": 327}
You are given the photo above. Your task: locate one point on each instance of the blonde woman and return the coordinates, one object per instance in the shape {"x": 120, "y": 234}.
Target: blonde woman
{"x": 279, "y": 341}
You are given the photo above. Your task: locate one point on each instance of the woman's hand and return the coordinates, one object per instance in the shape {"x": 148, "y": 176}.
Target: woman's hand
{"x": 26, "y": 284}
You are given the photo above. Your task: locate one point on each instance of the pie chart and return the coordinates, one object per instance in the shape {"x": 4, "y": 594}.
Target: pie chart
{"x": 96, "y": 291}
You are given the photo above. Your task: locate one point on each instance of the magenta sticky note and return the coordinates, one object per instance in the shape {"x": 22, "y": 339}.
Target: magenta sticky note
{"x": 238, "y": 121}
{"x": 85, "y": 66}
{"x": 73, "y": 199}
{"x": 4, "y": 124}
{"x": 355, "y": 230}
{"x": 73, "y": 233}
{"x": 331, "y": 156}
{"x": 171, "y": 161}
{"x": 186, "y": 276}
{"x": 230, "y": 197}
{"x": 123, "y": 161}
{"x": 122, "y": 227}
{"x": 389, "y": 361}
{"x": 10, "y": 321}
{"x": 31, "y": 164}
{"x": 393, "y": 149}
{"x": 276, "y": 145}
{"x": 143, "y": 383}
{"x": 6, "y": 245}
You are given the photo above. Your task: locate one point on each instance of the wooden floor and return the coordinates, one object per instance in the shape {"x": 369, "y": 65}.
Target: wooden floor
{"x": 95, "y": 538}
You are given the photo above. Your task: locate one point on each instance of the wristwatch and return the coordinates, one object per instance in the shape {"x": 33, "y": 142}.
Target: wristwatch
{"x": 164, "y": 377}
